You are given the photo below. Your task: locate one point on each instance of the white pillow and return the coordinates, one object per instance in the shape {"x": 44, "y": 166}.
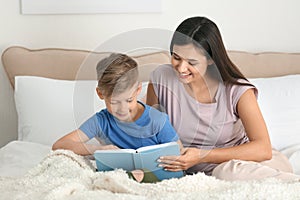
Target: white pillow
{"x": 143, "y": 95}
{"x": 49, "y": 108}
{"x": 279, "y": 100}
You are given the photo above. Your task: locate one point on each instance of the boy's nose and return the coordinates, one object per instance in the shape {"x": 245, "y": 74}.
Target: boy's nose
{"x": 123, "y": 106}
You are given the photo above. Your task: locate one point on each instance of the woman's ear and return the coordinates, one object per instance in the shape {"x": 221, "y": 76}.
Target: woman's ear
{"x": 99, "y": 93}
{"x": 210, "y": 61}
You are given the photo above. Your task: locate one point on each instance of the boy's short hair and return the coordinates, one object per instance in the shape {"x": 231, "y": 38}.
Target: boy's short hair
{"x": 116, "y": 73}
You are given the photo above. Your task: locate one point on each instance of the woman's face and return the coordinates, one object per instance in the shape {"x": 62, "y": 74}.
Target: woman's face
{"x": 189, "y": 62}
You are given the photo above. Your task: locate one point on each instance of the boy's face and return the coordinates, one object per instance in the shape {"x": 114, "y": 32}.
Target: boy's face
{"x": 123, "y": 106}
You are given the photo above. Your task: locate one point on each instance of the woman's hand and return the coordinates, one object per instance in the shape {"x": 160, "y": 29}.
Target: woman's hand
{"x": 188, "y": 158}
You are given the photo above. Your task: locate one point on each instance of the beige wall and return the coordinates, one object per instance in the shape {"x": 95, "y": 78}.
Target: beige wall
{"x": 257, "y": 25}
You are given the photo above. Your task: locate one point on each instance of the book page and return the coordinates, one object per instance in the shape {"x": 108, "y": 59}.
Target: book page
{"x": 157, "y": 146}
{"x": 116, "y": 151}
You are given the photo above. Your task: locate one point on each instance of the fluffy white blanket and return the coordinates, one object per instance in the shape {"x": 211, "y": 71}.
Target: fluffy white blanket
{"x": 65, "y": 175}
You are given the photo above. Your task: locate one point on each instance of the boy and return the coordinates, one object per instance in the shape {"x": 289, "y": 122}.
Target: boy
{"x": 126, "y": 122}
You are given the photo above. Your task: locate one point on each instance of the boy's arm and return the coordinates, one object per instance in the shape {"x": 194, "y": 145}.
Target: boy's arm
{"x": 168, "y": 134}
{"x": 76, "y": 142}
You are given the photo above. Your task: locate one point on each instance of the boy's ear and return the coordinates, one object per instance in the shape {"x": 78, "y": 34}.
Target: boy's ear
{"x": 139, "y": 89}
{"x": 99, "y": 93}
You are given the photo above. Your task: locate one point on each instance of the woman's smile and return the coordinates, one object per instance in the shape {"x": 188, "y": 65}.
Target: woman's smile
{"x": 184, "y": 75}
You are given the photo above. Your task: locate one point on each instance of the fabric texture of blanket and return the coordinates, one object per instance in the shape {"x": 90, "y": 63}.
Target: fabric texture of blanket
{"x": 65, "y": 175}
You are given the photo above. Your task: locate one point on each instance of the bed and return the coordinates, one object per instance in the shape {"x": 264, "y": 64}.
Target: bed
{"x": 55, "y": 92}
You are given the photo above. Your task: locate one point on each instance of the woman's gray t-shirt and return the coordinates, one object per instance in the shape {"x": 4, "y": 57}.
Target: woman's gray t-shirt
{"x": 205, "y": 126}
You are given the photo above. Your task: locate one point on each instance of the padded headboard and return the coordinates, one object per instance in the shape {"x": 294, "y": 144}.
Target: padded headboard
{"x": 69, "y": 64}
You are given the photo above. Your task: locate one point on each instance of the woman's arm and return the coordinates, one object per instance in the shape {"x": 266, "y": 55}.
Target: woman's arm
{"x": 258, "y": 149}
{"x": 182, "y": 149}
{"x": 76, "y": 142}
{"x": 152, "y": 99}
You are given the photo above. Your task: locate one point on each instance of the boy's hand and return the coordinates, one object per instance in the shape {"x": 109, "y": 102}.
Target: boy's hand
{"x": 108, "y": 147}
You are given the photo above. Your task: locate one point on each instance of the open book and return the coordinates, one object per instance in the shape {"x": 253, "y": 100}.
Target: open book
{"x": 141, "y": 158}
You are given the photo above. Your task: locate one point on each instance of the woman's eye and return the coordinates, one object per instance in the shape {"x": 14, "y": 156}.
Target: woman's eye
{"x": 176, "y": 57}
{"x": 193, "y": 64}
{"x": 129, "y": 100}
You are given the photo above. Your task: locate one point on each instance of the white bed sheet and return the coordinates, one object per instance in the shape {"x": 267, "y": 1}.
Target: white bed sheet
{"x": 17, "y": 157}
{"x": 293, "y": 154}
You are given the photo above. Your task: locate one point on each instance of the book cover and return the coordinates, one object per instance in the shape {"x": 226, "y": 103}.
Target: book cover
{"x": 142, "y": 158}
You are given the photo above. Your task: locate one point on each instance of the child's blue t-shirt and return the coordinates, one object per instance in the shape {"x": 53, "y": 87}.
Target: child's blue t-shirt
{"x": 153, "y": 127}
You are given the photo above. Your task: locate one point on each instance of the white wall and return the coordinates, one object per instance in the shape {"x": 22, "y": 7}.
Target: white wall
{"x": 256, "y": 25}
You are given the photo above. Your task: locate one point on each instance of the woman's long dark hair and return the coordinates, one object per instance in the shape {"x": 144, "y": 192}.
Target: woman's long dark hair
{"x": 205, "y": 35}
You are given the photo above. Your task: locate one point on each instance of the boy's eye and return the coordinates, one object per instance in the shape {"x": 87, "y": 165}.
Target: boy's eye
{"x": 113, "y": 102}
{"x": 117, "y": 102}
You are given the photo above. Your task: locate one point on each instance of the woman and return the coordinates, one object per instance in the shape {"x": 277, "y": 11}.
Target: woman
{"x": 213, "y": 108}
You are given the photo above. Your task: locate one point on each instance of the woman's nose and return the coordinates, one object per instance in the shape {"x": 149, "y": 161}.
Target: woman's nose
{"x": 182, "y": 66}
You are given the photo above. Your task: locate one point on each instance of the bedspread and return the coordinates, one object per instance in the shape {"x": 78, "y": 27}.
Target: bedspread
{"x": 65, "y": 175}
